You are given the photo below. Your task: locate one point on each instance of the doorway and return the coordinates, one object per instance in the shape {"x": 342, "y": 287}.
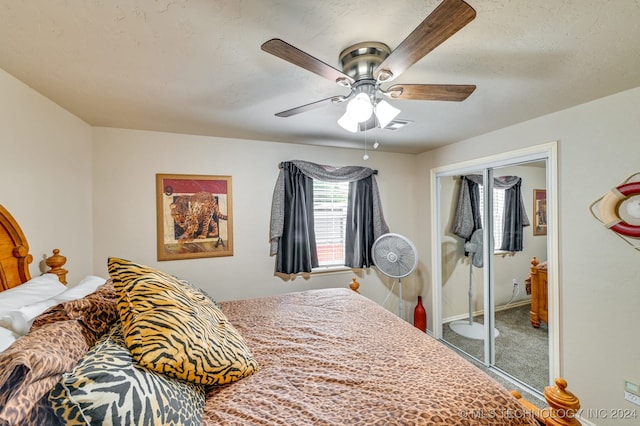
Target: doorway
{"x": 481, "y": 304}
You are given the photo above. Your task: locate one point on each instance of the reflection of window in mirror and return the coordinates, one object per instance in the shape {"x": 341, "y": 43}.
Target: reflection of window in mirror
{"x": 498, "y": 215}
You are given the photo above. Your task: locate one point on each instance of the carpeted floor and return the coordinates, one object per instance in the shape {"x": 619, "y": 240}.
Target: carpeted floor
{"x": 521, "y": 350}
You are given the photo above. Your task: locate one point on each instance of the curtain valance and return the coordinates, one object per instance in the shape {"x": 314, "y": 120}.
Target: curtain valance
{"x": 467, "y": 212}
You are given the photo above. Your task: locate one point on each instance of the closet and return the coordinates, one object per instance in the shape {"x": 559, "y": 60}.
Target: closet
{"x": 482, "y": 249}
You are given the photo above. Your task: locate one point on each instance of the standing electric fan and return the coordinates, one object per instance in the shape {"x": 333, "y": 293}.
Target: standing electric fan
{"x": 396, "y": 257}
{"x": 469, "y": 328}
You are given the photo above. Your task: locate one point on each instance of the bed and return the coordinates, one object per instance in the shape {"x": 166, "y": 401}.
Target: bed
{"x": 321, "y": 357}
{"x": 539, "y": 294}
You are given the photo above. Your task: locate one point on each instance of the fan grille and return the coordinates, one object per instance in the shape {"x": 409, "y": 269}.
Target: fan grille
{"x": 394, "y": 255}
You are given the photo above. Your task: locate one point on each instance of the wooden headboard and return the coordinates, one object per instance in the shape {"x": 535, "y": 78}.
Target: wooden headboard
{"x": 15, "y": 257}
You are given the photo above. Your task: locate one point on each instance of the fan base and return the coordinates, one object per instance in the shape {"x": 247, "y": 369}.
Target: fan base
{"x": 360, "y": 60}
{"x": 475, "y": 330}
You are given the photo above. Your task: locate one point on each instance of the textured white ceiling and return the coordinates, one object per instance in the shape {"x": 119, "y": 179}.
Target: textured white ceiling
{"x": 195, "y": 66}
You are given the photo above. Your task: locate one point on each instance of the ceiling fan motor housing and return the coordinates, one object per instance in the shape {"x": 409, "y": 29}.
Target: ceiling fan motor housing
{"x": 360, "y": 60}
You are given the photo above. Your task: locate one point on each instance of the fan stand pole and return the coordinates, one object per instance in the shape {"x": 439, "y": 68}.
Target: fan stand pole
{"x": 400, "y": 310}
{"x": 470, "y": 293}
{"x": 470, "y": 329}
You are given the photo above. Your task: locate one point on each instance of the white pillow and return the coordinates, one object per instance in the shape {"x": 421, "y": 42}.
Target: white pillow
{"x": 35, "y": 290}
{"x": 16, "y": 321}
{"x": 7, "y": 337}
{"x": 20, "y": 320}
{"x": 87, "y": 285}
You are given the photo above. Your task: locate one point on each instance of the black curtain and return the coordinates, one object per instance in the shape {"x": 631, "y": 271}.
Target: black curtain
{"x": 297, "y": 248}
{"x": 514, "y": 218}
{"x": 359, "y": 233}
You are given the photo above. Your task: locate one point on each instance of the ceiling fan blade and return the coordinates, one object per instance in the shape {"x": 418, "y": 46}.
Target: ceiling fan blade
{"x": 311, "y": 106}
{"x": 447, "y": 19}
{"x": 292, "y": 54}
{"x": 431, "y": 92}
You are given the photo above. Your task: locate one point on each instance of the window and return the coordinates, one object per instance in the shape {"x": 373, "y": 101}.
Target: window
{"x": 498, "y": 214}
{"x": 345, "y": 219}
{"x": 330, "y": 217}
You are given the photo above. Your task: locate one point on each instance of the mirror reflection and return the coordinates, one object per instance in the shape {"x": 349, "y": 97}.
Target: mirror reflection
{"x": 515, "y": 234}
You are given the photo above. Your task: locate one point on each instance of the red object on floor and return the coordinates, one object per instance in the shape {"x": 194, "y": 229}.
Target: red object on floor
{"x": 420, "y": 316}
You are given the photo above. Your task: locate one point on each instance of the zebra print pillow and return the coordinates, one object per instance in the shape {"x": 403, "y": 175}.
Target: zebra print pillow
{"x": 172, "y": 328}
{"x": 107, "y": 388}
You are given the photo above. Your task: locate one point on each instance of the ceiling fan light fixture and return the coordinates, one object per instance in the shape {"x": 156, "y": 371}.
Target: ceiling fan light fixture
{"x": 385, "y": 113}
{"x": 366, "y": 65}
{"x": 348, "y": 124}
{"x": 359, "y": 108}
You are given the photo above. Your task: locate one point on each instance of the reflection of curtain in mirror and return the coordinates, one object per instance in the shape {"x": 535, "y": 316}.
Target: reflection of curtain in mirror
{"x": 515, "y": 216}
{"x": 467, "y": 216}
{"x": 467, "y": 212}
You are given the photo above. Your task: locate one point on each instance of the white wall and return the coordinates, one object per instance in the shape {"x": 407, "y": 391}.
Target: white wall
{"x": 599, "y": 274}
{"x": 127, "y": 161}
{"x": 47, "y": 161}
{"x": 46, "y": 164}
{"x": 46, "y": 172}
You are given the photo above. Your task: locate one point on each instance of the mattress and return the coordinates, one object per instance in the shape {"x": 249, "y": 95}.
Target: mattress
{"x": 334, "y": 357}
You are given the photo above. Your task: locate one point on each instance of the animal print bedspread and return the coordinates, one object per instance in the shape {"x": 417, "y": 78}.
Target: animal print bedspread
{"x": 333, "y": 357}
{"x": 58, "y": 339}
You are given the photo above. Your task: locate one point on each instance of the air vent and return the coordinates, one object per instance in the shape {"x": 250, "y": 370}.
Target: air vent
{"x": 397, "y": 124}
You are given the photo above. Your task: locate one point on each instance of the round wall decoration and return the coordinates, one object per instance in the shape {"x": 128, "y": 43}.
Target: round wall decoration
{"x": 619, "y": 210}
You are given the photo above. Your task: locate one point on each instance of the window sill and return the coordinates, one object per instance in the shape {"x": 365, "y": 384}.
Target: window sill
{"x": 331, "y": 270}
{"x": 324, "y": 270}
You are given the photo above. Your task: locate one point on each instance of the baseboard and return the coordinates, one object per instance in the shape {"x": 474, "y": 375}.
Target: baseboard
{"x": 513, "y": 305}
{"x": 481, "y": 312}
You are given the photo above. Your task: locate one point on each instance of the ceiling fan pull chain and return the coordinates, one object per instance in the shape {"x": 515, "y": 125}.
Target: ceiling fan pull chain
{"x": 365, "y": 157}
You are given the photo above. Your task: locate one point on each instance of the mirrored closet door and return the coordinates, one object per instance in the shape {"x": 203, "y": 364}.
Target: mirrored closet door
{"x": 462, "y": 262}
{"x": 491, "y": 221}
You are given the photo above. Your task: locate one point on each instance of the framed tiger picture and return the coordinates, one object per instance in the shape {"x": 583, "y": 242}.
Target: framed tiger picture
{"x": 194, "y": 216}
{"x": 539, "y": 212}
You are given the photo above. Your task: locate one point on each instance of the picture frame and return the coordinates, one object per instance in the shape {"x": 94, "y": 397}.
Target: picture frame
{"x": 194, "y": 216}
{"x": 539, "y": 212}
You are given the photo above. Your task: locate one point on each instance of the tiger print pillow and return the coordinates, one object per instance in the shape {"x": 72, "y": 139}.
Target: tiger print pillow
{"x": 106, "y": 387}
{"x": 172, "y": 328}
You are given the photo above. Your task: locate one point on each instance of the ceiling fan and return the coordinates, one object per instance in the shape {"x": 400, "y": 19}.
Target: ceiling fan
{"x": 368, "y": 65}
